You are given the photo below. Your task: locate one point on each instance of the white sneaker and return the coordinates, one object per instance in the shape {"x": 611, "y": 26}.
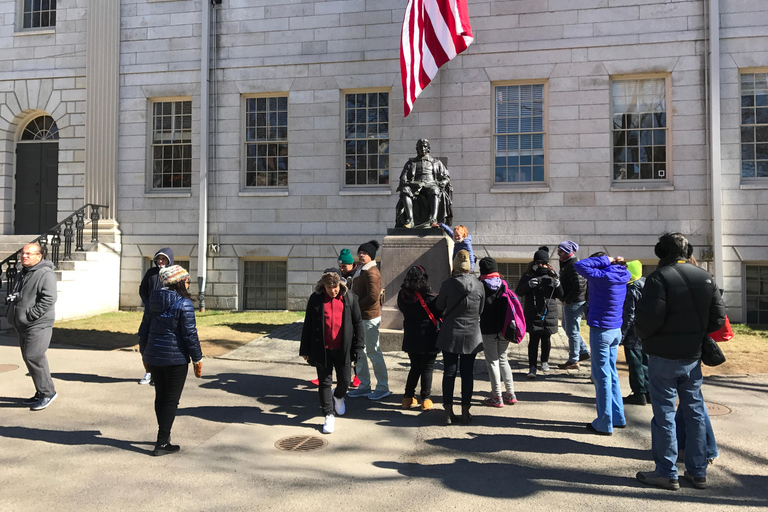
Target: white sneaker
{"x": 545, "y": 367}
{"x": 532, "y": 372}
{"x": 146, "y": 378}
{"x": 338, "y": 404}
{"x": 330, "y": 424}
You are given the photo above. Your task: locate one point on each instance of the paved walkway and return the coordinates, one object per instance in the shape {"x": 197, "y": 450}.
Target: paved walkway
{"x": 91, "y": 449}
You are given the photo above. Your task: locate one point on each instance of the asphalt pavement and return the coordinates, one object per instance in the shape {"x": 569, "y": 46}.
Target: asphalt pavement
{"x": 91, "y": 449}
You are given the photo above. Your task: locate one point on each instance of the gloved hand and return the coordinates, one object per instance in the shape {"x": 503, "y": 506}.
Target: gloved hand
{"x": 198, "y": 369}
{"x": 534, "y": 282}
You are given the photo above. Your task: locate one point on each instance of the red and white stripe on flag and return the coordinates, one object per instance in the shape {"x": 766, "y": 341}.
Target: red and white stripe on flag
{"x": 434, "y": 32}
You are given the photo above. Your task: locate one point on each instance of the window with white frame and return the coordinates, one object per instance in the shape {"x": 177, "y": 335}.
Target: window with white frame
{"x": 266, "y": 141}
{"x": 38, "y": 14}
{"x": 756, "y": 277}
{"x": 754, "y": 125}
{"x": 639, "y": 138}
{"x": 366, "y": 138}
{"x": 265, "y": 284}
{"x": 519, "y": 133}
{"x": 171, "y": 146}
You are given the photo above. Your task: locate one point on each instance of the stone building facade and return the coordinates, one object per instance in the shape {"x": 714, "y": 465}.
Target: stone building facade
{"x": 565, "y": 119}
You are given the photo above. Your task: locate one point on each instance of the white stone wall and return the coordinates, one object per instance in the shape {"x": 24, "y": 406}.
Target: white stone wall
{"x": 43, "y": 71}
{"x": 313, "y": 51}
{"x": 744, "y": 46}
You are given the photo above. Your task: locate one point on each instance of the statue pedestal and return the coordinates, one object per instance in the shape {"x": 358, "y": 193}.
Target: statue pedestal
{"x": 400, "y": 250}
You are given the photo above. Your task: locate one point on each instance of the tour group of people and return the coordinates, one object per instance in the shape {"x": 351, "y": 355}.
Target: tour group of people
{"x": 660, "y": 319}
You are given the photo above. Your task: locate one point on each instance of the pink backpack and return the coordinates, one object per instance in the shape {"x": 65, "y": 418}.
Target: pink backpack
{"x": 514, "y": 320}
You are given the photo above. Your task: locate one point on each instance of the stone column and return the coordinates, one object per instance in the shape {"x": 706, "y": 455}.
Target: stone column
{"x": 102, "y": 104}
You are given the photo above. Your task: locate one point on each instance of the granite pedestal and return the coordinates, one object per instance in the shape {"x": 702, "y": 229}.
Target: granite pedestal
{"x": 400, "y": 250}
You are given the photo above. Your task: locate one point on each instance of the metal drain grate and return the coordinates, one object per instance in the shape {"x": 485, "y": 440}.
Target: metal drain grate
{"x": 717, "y": 410}
{"x": 300, "y": 443}
{"x": 8, "y": 368}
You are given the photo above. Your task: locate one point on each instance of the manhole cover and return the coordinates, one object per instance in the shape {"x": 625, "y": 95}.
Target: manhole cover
{"x": 8, "y": 368}
{"x": 300, "y": 443}
{"x": 717, "y": 409}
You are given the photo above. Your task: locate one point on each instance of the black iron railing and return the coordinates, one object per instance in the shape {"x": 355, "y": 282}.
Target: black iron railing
{"x": 70, "y": 229}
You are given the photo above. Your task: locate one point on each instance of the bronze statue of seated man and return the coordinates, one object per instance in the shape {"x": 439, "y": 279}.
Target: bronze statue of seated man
{"x": 425, "y": 191}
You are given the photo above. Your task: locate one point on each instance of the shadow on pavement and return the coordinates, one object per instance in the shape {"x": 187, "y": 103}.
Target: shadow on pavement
{"x": 492, "y": 443}
{"x": 72, "y": 438}
{"x": 510, "y": 480}
{"x": 90, "y": 378}
{"x": 8, "y": 401}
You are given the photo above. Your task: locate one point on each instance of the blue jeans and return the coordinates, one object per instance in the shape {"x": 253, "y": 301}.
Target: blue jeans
{"x": 572, "y": 314}
{"x": 712, "y": 451}
{"x": 671, "y": 379}
{"x": 373, "y": 352}
{"x": 610, "y": 406}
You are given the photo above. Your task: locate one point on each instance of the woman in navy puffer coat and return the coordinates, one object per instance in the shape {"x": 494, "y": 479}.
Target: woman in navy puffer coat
{"x": 167, "y": 341}
{"x": 607, "y": 279}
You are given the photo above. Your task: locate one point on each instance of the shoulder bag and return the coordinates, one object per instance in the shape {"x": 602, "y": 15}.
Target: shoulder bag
{"x": 711, "y": 355}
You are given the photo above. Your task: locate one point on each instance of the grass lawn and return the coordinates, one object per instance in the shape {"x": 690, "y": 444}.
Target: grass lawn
{"x": 746, "y": 353}
{"x": 219, "y": 331}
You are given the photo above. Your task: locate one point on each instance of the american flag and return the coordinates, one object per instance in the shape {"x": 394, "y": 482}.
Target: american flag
{"x": 434, "y": 32}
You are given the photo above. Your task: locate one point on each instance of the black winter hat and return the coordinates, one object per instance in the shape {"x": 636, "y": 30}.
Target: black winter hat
{"x": 369, "y": 248}
{"x": 542, "y": 254}
{"x": 488, "y": 265}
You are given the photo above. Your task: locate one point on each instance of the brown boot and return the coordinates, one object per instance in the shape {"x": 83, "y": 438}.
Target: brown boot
{"x": 426, "y": 404}
{"x": 409, "y": 402}
{"x": 465, "y": 416}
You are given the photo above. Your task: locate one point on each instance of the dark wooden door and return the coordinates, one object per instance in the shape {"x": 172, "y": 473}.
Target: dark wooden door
{"x": 37, "y": 187}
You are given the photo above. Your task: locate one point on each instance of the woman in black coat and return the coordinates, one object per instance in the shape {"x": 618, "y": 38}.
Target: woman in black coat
{"x": 420, "y": 317}
{"x": 332, "y": 341}
{"x": 540, "y": 286}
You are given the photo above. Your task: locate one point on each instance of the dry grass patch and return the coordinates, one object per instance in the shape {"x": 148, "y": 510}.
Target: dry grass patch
{"x": 219, "y": 331}
{"x": 745, "y": 354}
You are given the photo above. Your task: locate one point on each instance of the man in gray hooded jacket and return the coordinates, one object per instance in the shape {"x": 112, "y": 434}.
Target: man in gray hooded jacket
{"x": 31, "y": 312}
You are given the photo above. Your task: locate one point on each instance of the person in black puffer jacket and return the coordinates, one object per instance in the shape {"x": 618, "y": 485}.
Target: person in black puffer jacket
{"x": 679, "y": 305}
{"x": 574, "y": 304}
{"x": 540, "y": 287}
{"x": 491, "y": 327}
{"x": 420, "y": 316}
{"x": 167, "y": 342}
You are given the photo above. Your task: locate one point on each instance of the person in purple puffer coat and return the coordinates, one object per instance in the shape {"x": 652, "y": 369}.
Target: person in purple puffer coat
{"x": 607, "y": 279}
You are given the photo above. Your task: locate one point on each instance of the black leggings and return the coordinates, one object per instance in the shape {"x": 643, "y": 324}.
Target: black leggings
{"x": 465, "y": 365}
{"x": 422, "y": 366}
{"x": 334, "y": 359}
{"x": 533, "y": 347}
{"x": 169, "y": 383}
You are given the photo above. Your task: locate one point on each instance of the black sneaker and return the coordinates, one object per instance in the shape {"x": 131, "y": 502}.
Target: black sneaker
{"x": 584, "y": 356}
{"x": 44, "y": 402}
{"x": 635, "y": 399}
{"x": 33, "y": 400}
{"x": 165, "y": 449}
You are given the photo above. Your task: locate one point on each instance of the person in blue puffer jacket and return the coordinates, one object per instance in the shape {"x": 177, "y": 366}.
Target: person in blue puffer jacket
{"x": 607, "y": 279}
{"x": 167, "y": 342}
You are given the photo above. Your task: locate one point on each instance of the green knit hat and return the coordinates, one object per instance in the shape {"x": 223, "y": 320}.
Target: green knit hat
{"x": 635, "y": 270}
{"x": 345, "y": 257}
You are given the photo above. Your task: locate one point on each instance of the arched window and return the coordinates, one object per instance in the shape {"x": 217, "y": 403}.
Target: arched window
{"x": 41, "y": 128}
